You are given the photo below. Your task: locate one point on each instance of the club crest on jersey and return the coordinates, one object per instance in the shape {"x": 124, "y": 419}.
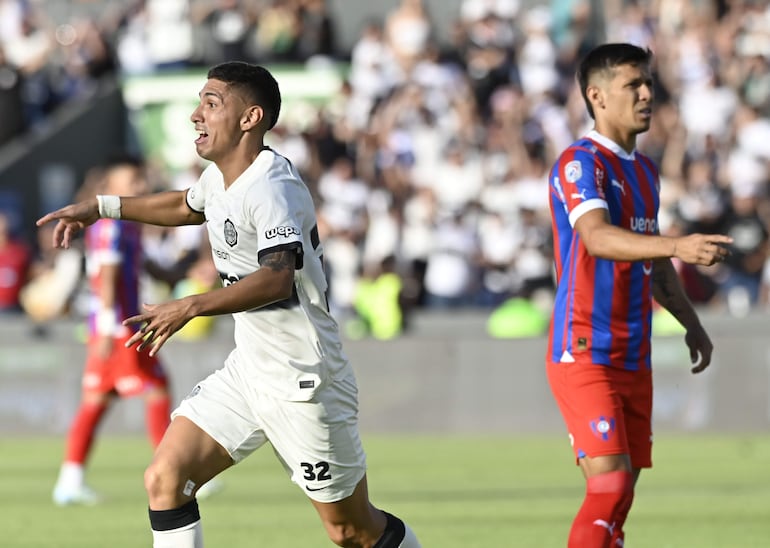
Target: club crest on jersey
{"x": 231, "y": 236}
{"x": 573, "y": 171}
{"x": 603, "y": 428}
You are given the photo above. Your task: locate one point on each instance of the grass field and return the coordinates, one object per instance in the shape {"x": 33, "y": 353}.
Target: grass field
{"x": 705, "y": 492}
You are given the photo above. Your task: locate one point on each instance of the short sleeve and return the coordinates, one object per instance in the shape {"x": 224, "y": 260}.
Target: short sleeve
{"x": 196, "y": 198}
{"x": 196, "y": 194}
{"x": 277, "y": 217}
{"x": 581, "y": 181}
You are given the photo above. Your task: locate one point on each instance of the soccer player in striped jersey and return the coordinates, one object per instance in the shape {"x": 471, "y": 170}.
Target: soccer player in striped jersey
{"x": 610, "y": 263}
{"x": 287, "y": 380}
{"x": 113, "y": 265}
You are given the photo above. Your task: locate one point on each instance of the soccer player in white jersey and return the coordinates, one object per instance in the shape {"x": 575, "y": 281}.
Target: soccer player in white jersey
{"x": 287, "y": 380}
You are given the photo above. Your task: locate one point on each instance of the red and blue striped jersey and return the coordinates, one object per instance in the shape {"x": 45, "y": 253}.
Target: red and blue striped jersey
{"x": 110, "y": 241}
{"x": 603, "y": 309}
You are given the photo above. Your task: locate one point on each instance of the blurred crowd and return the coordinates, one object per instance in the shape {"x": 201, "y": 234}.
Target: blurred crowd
{"x": 431, "y": 161}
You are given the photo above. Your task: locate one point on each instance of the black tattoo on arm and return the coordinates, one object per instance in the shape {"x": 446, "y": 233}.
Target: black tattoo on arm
{"x": 279, "y": 260}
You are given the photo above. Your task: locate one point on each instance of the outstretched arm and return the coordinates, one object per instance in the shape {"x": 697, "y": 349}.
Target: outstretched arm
{"x": 605, "y": 240}
{"x": 164, "y": 208}
{"x": 668, "y": 291}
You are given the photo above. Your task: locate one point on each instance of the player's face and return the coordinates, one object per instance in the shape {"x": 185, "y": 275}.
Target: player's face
{"x": 217, "y": 120}
{"x": 624, "y": 101}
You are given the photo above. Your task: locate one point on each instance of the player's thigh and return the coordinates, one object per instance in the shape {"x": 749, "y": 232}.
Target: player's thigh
{"x": 592, "y": 408}
{"x": 635, "y": 391}
{"x": 318, "y": 441}
{"x": 187, "y": 457}
{"x": 98, "y": 375}
{"x": 638, "y": 419}
{"x": 131, "y": 373}
{"x": 218, "y": 416}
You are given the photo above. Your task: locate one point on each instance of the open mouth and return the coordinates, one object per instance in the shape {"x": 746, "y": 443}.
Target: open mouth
{"x": 201, "y": 138}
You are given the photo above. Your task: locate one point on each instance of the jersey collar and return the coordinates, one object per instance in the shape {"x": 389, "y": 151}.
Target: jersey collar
{"x": 258, "y": 167}
{"x": 610, "y": 144}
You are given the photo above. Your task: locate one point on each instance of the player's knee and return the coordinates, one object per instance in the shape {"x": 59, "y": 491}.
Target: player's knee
{"x": 343, "y": 534}
{"x": 619, "y": 484}
{"x": 163, "y": 484}
{"x": 616, "y": 490}
{"x": 350, "y": 534}
{"x": 396, "y": 534}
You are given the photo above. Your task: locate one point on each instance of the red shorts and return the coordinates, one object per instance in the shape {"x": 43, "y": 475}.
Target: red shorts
{"x": 608, "y": 411}
{"x": 126, "y": 371}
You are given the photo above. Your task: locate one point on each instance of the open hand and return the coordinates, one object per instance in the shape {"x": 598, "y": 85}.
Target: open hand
{"x": 159, "y": 322}
{"x": 72, "y": 219}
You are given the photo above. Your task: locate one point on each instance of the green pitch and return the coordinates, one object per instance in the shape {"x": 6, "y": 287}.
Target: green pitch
{"x": 709, "y": 492}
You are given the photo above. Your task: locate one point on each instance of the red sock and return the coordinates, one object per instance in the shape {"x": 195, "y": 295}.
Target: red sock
{"x": 81, "y": 433}
{"x": 618, "y": 537}
{"x": 605, "y": 507}
{"x": 157, "y": 418}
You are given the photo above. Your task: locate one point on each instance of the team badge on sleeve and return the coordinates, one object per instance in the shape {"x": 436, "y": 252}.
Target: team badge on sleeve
{"x": 231, "y": 236}
{"x": 573, "y": 171}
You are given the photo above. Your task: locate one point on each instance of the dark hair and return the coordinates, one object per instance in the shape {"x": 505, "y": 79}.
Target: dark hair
{"x": 256, "y": 81}
{"x": 122, "y": 158}
{"x": 605, "y": 58}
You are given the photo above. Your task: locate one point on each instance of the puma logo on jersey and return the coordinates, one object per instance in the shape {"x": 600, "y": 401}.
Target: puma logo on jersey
{"x": 581, "y": 195}
{"x": 609, "y": 526}
{"x": 619, "y": 184}
{"x": 283, "y": 231}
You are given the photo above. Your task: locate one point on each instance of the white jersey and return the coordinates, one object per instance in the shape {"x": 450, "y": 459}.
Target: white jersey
{"x": 292, "y": 347}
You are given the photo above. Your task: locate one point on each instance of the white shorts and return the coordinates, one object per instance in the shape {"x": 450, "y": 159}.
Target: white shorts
{"x": 317, "y": 441}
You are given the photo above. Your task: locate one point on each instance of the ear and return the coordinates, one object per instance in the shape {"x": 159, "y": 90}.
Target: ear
{"x": 251, "y": 117}
{"x": 595, "y": 96}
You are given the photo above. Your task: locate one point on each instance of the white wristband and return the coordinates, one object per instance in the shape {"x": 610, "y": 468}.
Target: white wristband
{"x": 106, "y": 321}
{"x": 109, "y": 206}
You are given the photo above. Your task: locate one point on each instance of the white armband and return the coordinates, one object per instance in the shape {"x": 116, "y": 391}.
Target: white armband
{"x": 106, "y": 321}
{"x": 109, "y": 206}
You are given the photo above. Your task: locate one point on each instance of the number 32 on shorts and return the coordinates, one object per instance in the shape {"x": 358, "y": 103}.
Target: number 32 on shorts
{"x": 316, "y": 472}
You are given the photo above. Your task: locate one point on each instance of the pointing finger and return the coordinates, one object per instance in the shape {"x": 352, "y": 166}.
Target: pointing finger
{"x": 719, "y": 239}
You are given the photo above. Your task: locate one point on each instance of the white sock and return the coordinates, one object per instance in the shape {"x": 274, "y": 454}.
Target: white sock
{"x": 410, "y": 539}
{"x": 189, "y": 536}
{"x": 71, "y": 475}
